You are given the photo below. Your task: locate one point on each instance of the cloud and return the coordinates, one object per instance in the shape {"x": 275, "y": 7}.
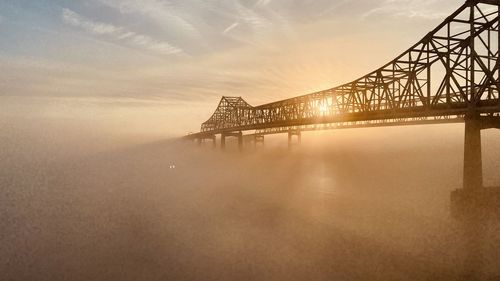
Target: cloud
{"x": 231, "y": 27}
{"x": 261, "y": 3}
{"x": 74, "y": 19}
{"x": 252, "y": 18}
{"x": 164, "y": 14}
{"x": 265, "y": 20}
{"x": 253, "y": 29}
{"x": 407, "y": 9}
{"x": 118, "y": 33}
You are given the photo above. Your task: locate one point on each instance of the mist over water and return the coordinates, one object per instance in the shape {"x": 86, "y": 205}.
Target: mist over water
{"x": 361, "y": 204}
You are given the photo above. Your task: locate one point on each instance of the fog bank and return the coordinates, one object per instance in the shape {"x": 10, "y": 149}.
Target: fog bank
{"x": 362, "y": 204}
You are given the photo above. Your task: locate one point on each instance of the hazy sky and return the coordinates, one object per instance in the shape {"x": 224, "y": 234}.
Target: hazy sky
{"x": 159, "y": 67}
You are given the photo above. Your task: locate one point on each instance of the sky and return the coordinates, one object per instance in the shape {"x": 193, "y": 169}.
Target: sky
{"x": 158, "y": 67}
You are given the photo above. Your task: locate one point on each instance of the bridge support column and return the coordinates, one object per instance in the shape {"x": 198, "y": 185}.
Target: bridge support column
{"x": 473, "y": 168}
{"x": 240, "y": 141}
{"x": 258, "y": 139}
{"x": 474, "y": 204}
{"x": 474, "y": 199}
{"x": 238, "y": 135}
{"x": 464, "y": 200}
{"x": 214, "y": 141}
{"x": 469, "y": 199}
{"x": 291, "y": 133}
{"x": 201, "y": 140}
{"x": 222, "y": 141}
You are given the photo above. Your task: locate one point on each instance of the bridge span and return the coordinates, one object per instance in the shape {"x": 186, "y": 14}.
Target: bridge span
{"x": 451, "y": 75}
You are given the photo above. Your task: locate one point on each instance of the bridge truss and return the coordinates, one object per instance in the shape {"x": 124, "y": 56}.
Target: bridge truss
{"x": 452, "y": 71}
{"x": 450, "y": 75}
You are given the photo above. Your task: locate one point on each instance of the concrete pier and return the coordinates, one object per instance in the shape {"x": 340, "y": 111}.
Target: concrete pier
{"x": 291, "y": 133}
{"x": 202, "y": 140}
{"x": 258, "y": 140}
{"x": 473, "y": 205}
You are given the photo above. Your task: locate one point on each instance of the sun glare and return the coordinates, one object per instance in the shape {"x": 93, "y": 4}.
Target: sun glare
{"x": 323, "y": 108}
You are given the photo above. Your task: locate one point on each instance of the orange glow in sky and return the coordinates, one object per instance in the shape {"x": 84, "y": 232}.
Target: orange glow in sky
{"x": 145, "y": 67}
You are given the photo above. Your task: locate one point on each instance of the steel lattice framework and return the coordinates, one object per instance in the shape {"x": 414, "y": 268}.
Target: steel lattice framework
{"x": 453, "y": 70}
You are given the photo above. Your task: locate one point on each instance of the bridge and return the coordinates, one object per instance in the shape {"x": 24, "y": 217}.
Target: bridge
{"x": 451, "y": 75}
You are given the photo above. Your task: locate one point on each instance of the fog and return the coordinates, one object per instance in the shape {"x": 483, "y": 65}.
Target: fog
{"x": 357, "y": 204}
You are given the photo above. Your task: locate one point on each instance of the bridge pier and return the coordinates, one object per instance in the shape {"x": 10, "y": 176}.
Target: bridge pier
{"x": 201, "y": 140}
{"x": 473, "y": 199}
{"x": 258, "y": 139}
{"x": 474, "y": 204}
{"x": 291, "y": 133}
{"x": 238, "y": 135}
{"x": 473, "y": 168}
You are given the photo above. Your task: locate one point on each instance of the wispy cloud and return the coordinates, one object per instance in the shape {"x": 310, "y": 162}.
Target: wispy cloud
{"x": 118, "y": 33}
{"x": 407, "y": 9}
{"x": 200, "y": 26}
{"x": 261, "y": 3}
{"x": 74, "y": 19}
{"x": 231, "y": 27}
{"x": 163, "y": 13}
{"x": 252, "y": 27}
{"x": 252, "y": 18}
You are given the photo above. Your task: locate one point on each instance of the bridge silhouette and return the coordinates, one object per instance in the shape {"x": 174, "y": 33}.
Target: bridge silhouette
{"x": 451, "y": 75}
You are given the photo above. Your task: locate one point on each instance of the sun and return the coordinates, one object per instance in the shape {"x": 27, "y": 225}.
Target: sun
{"x": 323, "y": 108}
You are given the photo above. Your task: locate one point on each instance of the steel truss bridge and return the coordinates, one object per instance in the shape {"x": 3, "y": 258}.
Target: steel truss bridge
{"x": 451, "y": 75}
{"x": 452, "y": 71}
